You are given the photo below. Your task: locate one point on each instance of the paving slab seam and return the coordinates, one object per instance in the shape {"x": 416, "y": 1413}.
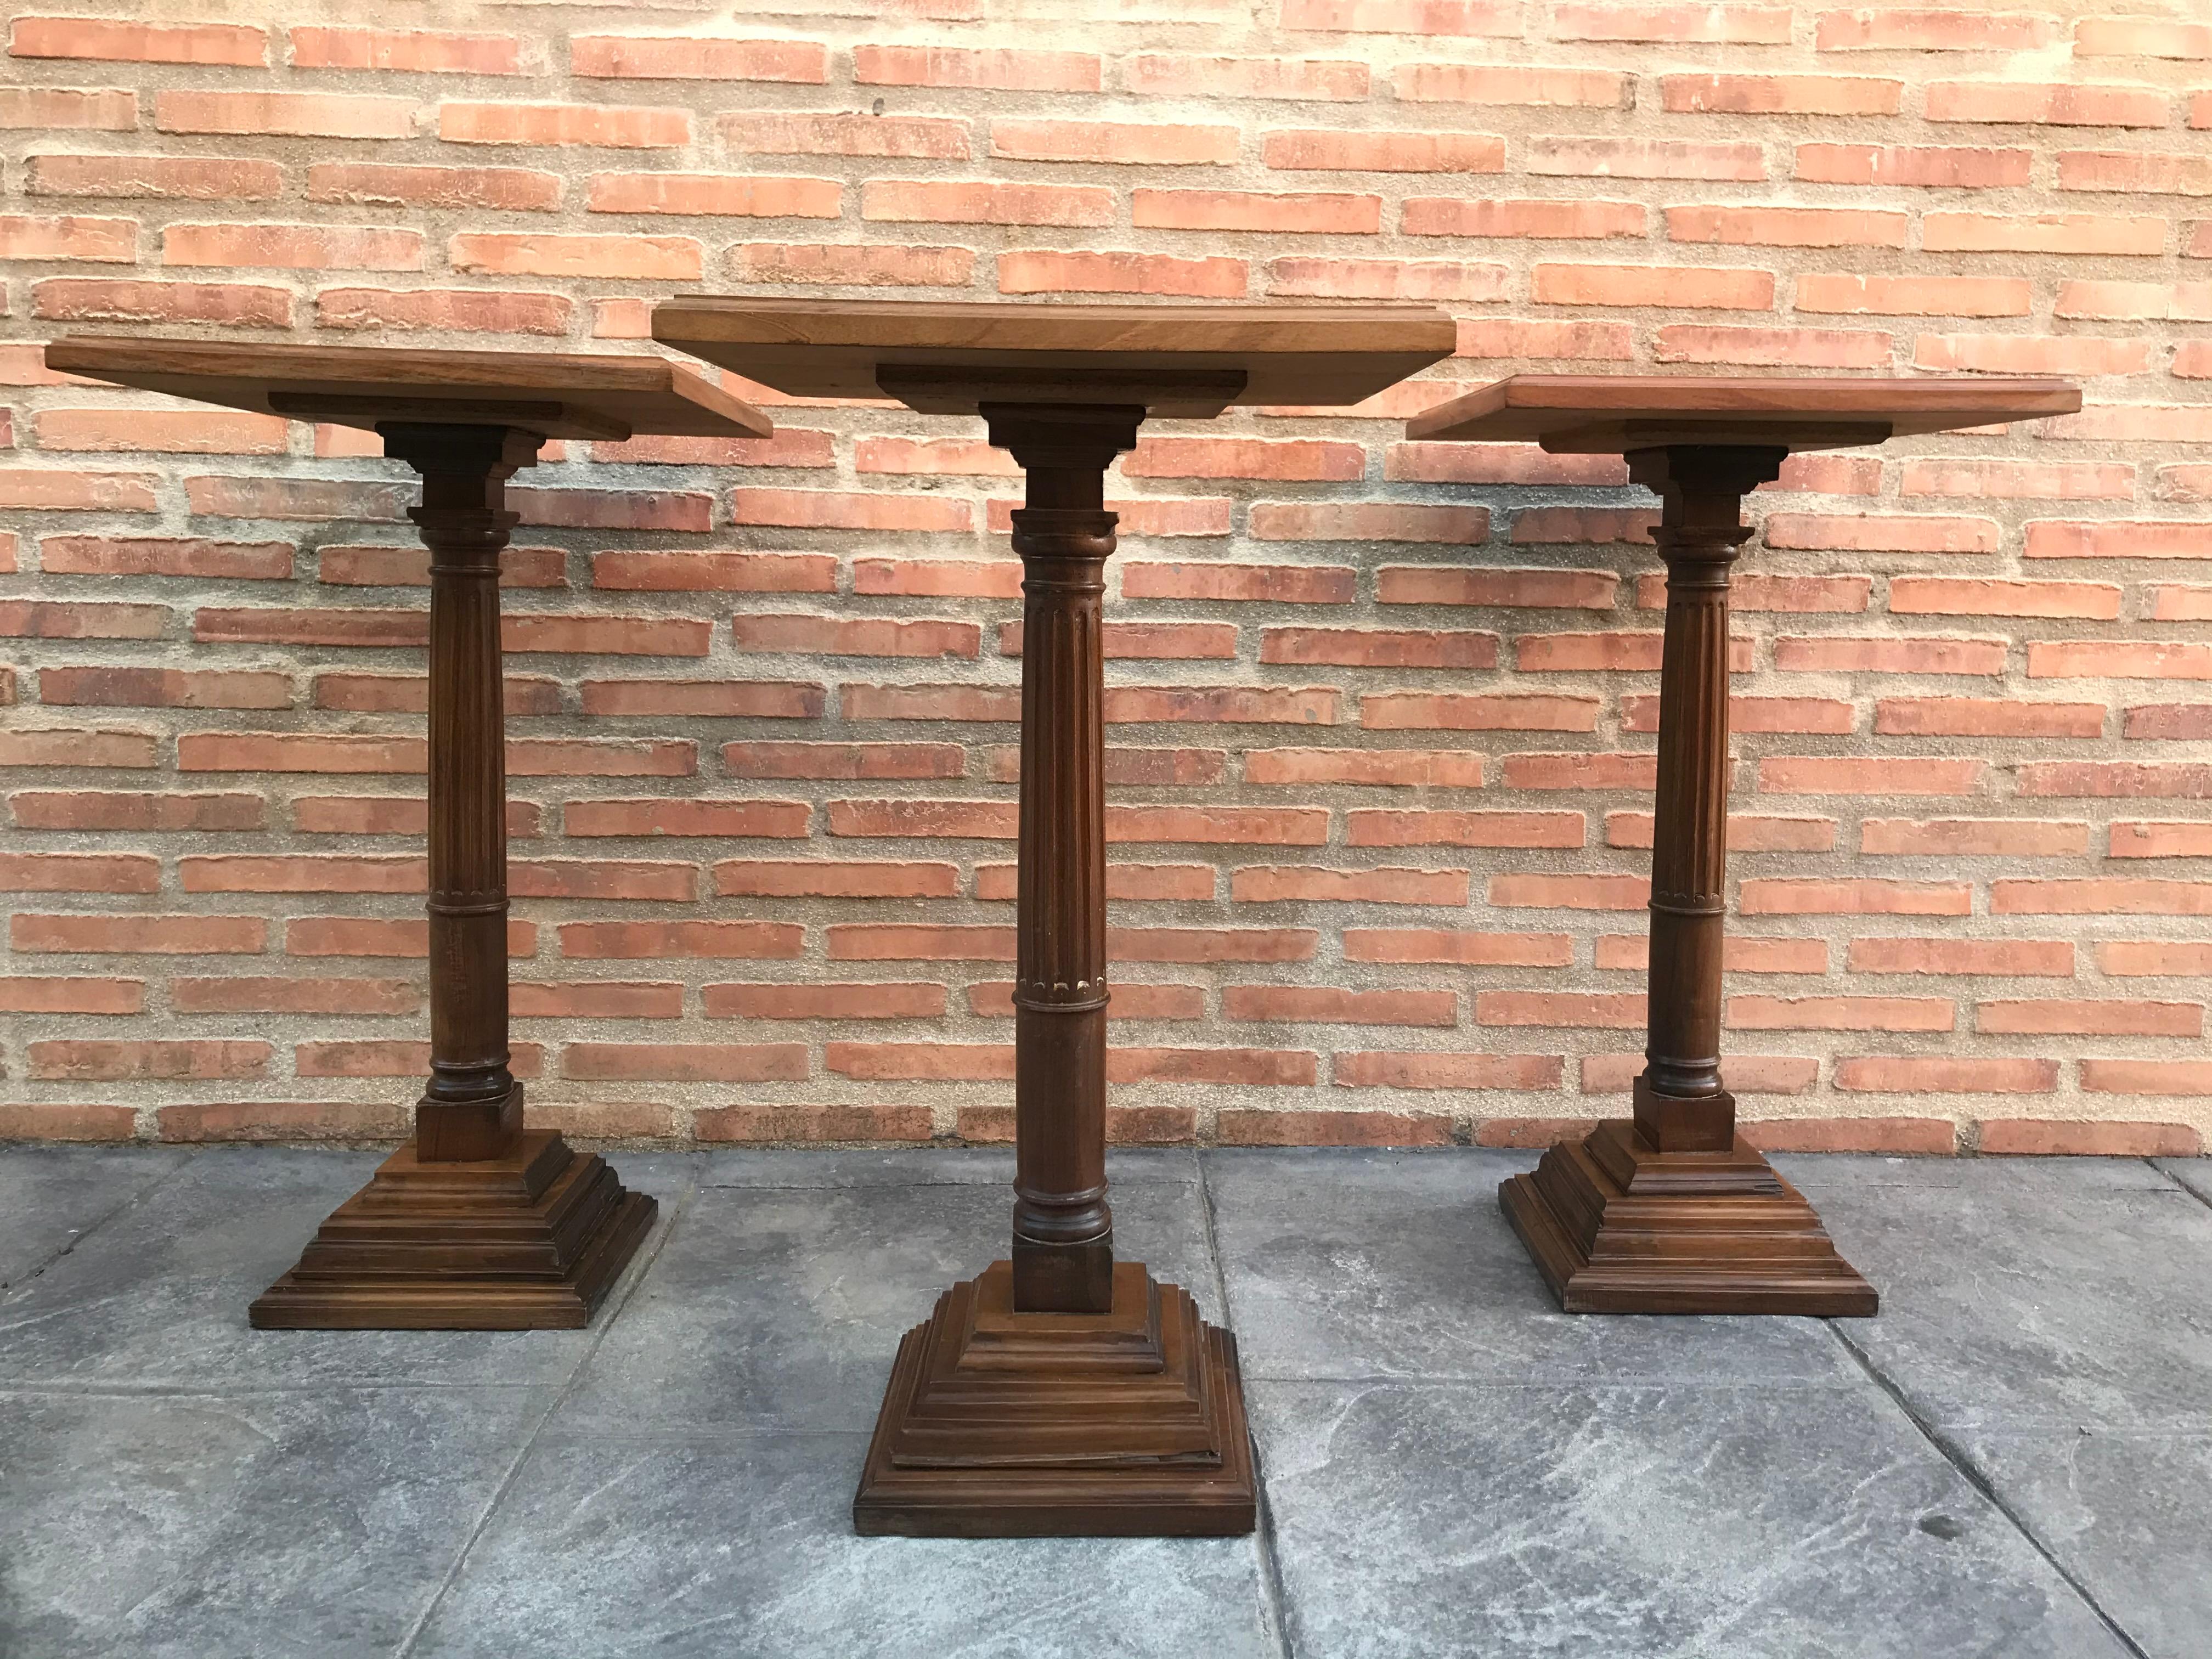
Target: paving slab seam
{"x": 130, "y": 1202}
{"x": 1275, "y": 1599}
{"x": 1972, "y": 1474}
{"x": 2201, "y": 1198}
{"x": 632, "y": 1278}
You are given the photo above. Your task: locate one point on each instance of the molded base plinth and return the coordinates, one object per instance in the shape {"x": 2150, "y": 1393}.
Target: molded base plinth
{"x": 1617, "y": 1227}
{"x": 1004, "y": 1424}
{"x": 528, "y": 1242}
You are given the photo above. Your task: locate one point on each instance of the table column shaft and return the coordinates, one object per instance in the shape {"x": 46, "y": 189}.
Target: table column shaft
{"x": 1680, "y": 1104}
{"x": 471, "y": 1109}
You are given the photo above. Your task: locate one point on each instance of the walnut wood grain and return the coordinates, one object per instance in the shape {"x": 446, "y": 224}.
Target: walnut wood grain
{"x": 556, "y": 395}
{"x": 1182, "y": 360}
{"x": 1671, "y": 1211}
{"x": 1610, "y": 415}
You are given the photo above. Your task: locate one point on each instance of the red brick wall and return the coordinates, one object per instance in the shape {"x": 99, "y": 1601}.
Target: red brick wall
{"x": 1382, "y": 711}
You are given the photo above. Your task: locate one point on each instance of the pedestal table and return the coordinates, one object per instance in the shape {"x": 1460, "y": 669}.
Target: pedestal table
{"x": 1061, "y": 1392}
{"x": 477, "y": 1222}
{"x": 1671, "y": 1211}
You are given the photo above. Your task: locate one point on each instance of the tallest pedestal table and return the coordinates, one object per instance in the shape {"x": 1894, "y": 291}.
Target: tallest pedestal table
{"x": 1061, "y": 1391}
{"x": 1671, "y": 1211}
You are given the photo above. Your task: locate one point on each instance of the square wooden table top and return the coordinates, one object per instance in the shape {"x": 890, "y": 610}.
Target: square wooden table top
{"x": 946, "y": 357}
{"x": 1606, "y": 414}
{"x": 557, "y": 395}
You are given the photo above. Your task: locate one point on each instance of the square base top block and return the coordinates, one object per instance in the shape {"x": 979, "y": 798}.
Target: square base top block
{"x": 948, "y": 358}
{"x": 1611, "y": 414}
{"x": 557, "y": 395}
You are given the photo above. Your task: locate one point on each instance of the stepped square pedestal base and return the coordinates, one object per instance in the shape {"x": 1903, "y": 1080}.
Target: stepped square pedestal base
{"x": 531, "y": 1240}
{"x": 1002, "y": 1425}
{"x": 1616, "y": 1226}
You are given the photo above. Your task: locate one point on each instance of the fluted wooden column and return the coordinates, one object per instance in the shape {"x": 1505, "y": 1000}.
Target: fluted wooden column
{"x": 1063, "y": 1244}
{"x": 1680, "y": 1104}
{"x": 471, "y": 1109}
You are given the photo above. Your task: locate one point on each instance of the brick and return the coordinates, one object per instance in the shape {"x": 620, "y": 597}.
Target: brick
{"x": 97, "y": 810}
{"x": 777, "y": 132}
{"x": 811, "y": 1125}
{"x": 790, "y": 446}
{"x": 1746, "y": 832}
{"x": 1571, "y": 1010}
{"x": 1508, "y": 337}
{"x": 1120, "y": 143}
{"x": 2032, "y": 480}
{"x": 1400, "y": 767}
{"x": 991, "y": 202}
{"x": 298, "y": 247}
{"x": 863, "y": 636}
{"x": 1463, "y": 946}
{"x": 1844, "y": 774}
{"x": 1922, "y": 1137}
{"x": 823, "y": 509}
{"x": 1178, "y": 76}
{"x": 37, "y": 620}
{"x": 1760, "y": 1013}
{"x": 1933, "y": 30}
{"x": 138, "y": 935}
{"x": 69, "y": 236}
{"x": 85, "y": 108}
{"x": 1582, "y": 771}
{"x": 2119, "y": 538}
{"x": 1278, "y": 212}
{"x": 696, "y": 57}
{"x": 919, "y": 1061}
{"x": 1548, "y": 892}
{"x": 1677, "y": 287}
{"x": 235, "y": 45}
{"x": 186, "y": 178}
{"x": 172, "y": 431}
{"x": 1590, "y": 590}
{"x": 421, "y": 51}
{"x": 1740, "y": 954}
{"x": 1927, "y": 167}
{"x": 60, "y": 746}
{"x": 2135, "y": 957}
{"x": 1384, "y": 827}
{"x": 1379, "y": 647}
{"x": 1776, "y": 896}
{"x": 685, "y": 1063}
{"x": 2027, "y": 102}
{"x": 288, "y": 114}
{"x": 2113, "y": 896}
{"x": 250, "y": 995}
{"x": 1205, "y": 944}
{"x": 1003, "y": 69}
{"x": 1643, "y": 158}
{"x": 1891, "y": 655}
{"x": 1457, "y": 17}
{"x": 2113, "y": 778}
{"x": 2157, "y": 841}
{"x": 1996, "y": 597}
{"x": 163, "y": 688}
{"x": 844, "y": 760}
{"x": 2158, "y": 172}
{"x": 1994, "y": 958}
{"x": 1398, "y": 711}
{"x": 471, "y": 311}
{"x": 2036, "y": 1137}
{"x": 1910, "y": 1074}
{"x": 233, "y": 305}
{"x": 1913, "y": 296}
{"x": 1442, "y": 1071}
{"x": 1323, "y": 150}
{"x": 350, "y": 936}
{"x": 598, "y": 126}
{"x": 1388, "y": 279}
{"x": 673, "y": 259}
{"x": 2044, "y": 232}
{"x": 1469, "y": 84}
{"x": 2090, "y": 1016}
{"x": 1782, "y": 94}
{"x": 1714, "y": 25}
{"x": 102, "y": 1060}
{"x": 2140, "y": 36}
{"x": 36, "y": 994}
{"x": 1980, "y": 837}
{"x": 2116, "y": 301}
{"x": 78, "y": 873}
{"x": 1781, "y": 227}
{"x": 1988, "y": 717}
{"x": 1237, "y": 1125}
{"x": 57, "y": 1121}
{"x": 1449, "y": 215}
{"x": 1301, "y": 1005}
{"x": 2150, "y": 1077}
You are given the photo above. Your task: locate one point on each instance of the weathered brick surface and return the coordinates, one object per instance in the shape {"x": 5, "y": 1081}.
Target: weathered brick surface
{"x": 1381, "y": 713}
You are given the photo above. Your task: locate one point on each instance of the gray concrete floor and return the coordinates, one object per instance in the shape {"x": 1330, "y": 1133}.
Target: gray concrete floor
{"x": 2011, "y": 1461}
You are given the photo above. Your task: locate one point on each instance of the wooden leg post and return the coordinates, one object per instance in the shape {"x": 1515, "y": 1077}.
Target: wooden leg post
{"x": 1671, "y": 1211}
{"x": 1061, "y": 1393}
{"x": 477, "y": 1223}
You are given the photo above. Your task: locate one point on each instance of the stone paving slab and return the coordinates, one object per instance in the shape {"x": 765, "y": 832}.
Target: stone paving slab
{"x": 1633, "y": 1522}
{"x": 2010, "y": 1461}
{"x": 709, "y": 1547}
